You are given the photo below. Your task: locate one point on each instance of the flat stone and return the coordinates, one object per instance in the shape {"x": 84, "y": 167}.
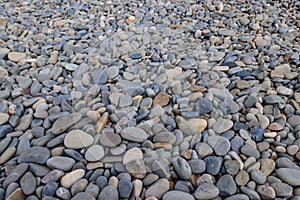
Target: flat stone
{"x": 4, "y": 52}
{"x": 220, "y": 145}
{"x": 134, "y": 134}
{"x": 28, "y": 183}
{"x": 61, "y": 163}
{"x": 109, "y": 193}
{"x": 177, "y": 195}
{"x": 232, "y": 166}
{"x": 17, "y": 172}
{"x": 65, "y": 122}
{"x": 38, "y": 170}
{"x": 158, "y": 189}
{"x": 182, "y": 168}
{"x": 5, "y": 129}
{"x": 198, "y": 124}
{"x": 34, "y": 155}
{"x": 289, "y": 175}
{"x": 16, "y": 56}
{"x": 250, "y": 192}
{"x": 77, "y": 139}
{"x": 226, "y": 185}
{"x": 94, "y": 153}
{"x": 161, "y": 167}
{"x": 16, "y": 195}
{"x": 206, "y": 191}
{"x": 132, "y": 154}
{"x": 266, "y": 192}
{"x": 7, "y": 154}
{"x": 242, "y": 178}
{"x": 49, "y": 189}
{"x": 83, "y": 195}
{"x": 222, "y": 125}
{"x": 70, "y": 178}
{"x": 197, "y": 166}
{"x": 238, "y": 197}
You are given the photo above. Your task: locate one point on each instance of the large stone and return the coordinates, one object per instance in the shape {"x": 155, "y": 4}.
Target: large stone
{"x": 226, "y": 185}
{"x": 182, "y": 168}
{"x": 94, "y": 153}
{"x": 177, "y": 195}
{"x": 28, "y": 183}
{"x": 70, "y": 178}
{"x": 61, "y": 163}
{"x": 222, "y": 125}
{"x": 206, "y": 191}
{"x": 220, "y": 145}
{"x": 158, "y": 189}
{"x": 16, "y": 56}
{"x": 109, "y": 193}
{"x": 17, "y": 172}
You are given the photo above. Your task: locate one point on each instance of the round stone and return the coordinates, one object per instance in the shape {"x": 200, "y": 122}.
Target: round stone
{"x": 77, "y": 139}
{"x": 289, "y": 175}
{"x": 71, "y": 66}
{"x": 213, "y": 164}
{"x": 220, "y": 145}
{"x": 203, "y": 106}
{"x": 242, "y": 178}
{"x": 3, "y": 118}
{"x": 177, "y": 195}
{"x": 258, "y": 176}
{"x": 61, "y": 163}
{"x": 34, "y": 155}
{"x": 94, "y": 153}
{"x": 222, "y": 125}
{"x": 16, "y": 56}
{"x": 226, "y": 185}
{"x": 182, "y": 168}
{"x": 109, "y": 193}
{"x": 132, "y": 154}
{"x": 158, "y": 189}
{"x": 28, "y": 183}
{"x": 110, "y": 139}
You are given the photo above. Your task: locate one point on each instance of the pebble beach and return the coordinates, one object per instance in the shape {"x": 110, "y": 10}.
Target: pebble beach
{"x": 152, "y": 99}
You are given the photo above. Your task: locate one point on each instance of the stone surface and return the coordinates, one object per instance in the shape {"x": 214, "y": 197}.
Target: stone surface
{"x": 289, "y": 175}
{"x": 70, "y": 178}
{"x": 206, "y": 191}
{"x": 34, "y": 155}
{"x": 222, "y": 125}
{"x": 182, "y": 168}
{"x": 94, "y": 153}
{"x": 177, "y": 195}
{"x": 158, "y": 189}
{"x": 219, "y": 144}
{"x": 77, "y": 139}
{"x": 134, "y": 134}
{"x": 61, "y": 163}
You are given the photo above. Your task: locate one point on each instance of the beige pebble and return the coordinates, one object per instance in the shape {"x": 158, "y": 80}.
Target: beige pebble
{"x": 70, "y": 178}
{"x": 132, "y": 154}
{"x": 198, "y": 124}
{"x": 292, "y": 149}
{"x": 113, "y": 181}
{"x": 280, "y": 149}
{"x": 137, "y": 187}
{"x": 270, "y": 134}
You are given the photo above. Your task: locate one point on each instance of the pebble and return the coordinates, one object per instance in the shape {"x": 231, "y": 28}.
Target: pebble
{"x": 242, "y": 178}
{"x": 213, "y": 164}
{"x": 71, "y": 66}
{"x": 134, "y": 134}
{"x": 258, "y": 176}
{"x": 125, "y": 188}
{"x": 28, "y": 183}
{"x": 222, "y": 125}
{"x": 177, "y": 195}
{"x": 52, "y": 176}
{"x": 16, "y": 56}
{"x": 77, "y": 139}
{"x": 83, "y": 195}
{"x": 206, "y": 191}
{"x": 94, "y": 153}
{"x": 158, "y": 189}
{"x": 61, "y": 163}
{"x": 132, "y": 154}
{"x": 110, "y": 193}
{"x": 34, "y": 155}
{"x": 226, "y": 185}
{"x": 220, "y": 145}
{"x": 3, "y": 118}
{"x": 182, "y": 168}
{"x": 70, "y": 178}
{"x": 203, "y": 106}
{"x": 289, "y": 175}
{"x": 282, "y": 189}
{"x": 266, "y": 192}
{"x": 16, "y": 173}
{"x": 65, "y": 122}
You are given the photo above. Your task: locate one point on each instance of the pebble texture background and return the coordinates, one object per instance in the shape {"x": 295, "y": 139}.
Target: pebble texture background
{"x": 149, "y": 100}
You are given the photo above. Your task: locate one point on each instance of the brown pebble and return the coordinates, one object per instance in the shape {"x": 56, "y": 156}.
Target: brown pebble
{"x": 161, "y": 99}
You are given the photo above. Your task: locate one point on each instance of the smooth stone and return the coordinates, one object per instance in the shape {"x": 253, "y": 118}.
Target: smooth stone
{"x": 16, "y": 173}
{"x": 267, "y": 166}
{"x": 238, "y": 197}
{"x": 49, "y": 189}
{"x": 250, "y": 192}
{"x": 158, "y": 189}
{"x": 28, "y": 183}
{"x": 79, "y": 186}
{"x": 284, "y": 162}
{"x": 206, "y": 191}
{"x": 177, "y": 195}
{"x": 38, "y": 170}
{"x": 3, "y": 118}
{"x": 61, "y": 163}
{"x": 34, "y": 155}
{"x": 289, "y": 175}
{"x": 110, "y": 139}
{"x": 226, "y": 185}
{"x": 132, "y": 154}
{"x": 94, "y": 153}
{"x": 232, "y": 166}
{"x": 63, "y": 193}
{"x": 198, "y": 124}
{"x": 182, "y": 168}
{"x": 266, "y": 192}
{"x": 136, "y": 168}
{"x": 7, "y": 154}
{"x": 282, "y": 189}
{"x": 16, "y": 195}
{"x": 257, "y": 133}
{"x": 250, "y": 151}
{"x": 161, "y": 99}
{"x": 222, "y": 125}
{"x": 65, "y": 122}
{"x": 77, "y": 139}
{"x": 203, "y": 106}
{"x": 258, "y": 176}
{"x": 109, "y": 193}
{"x": 16, "y": 56}
{"x": 83, "y": 195}
{"x": 125, "y": 188}
{"x": 203, "y": 149}
{"x": 137, "y": 187}
{"x": 134, "y": 134}
{"x": 70, "y": 178}
{"x": 71, "y": 66}
{"x": 220, "y": 145}
{"x": 112, "y": 71}
{"x": 213, "y": 164}
{"x": 197, "y": 166}
{"x": 52, "y": 176}
{"x": 242, "y": 178}
{"x": 5, "y": 129}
